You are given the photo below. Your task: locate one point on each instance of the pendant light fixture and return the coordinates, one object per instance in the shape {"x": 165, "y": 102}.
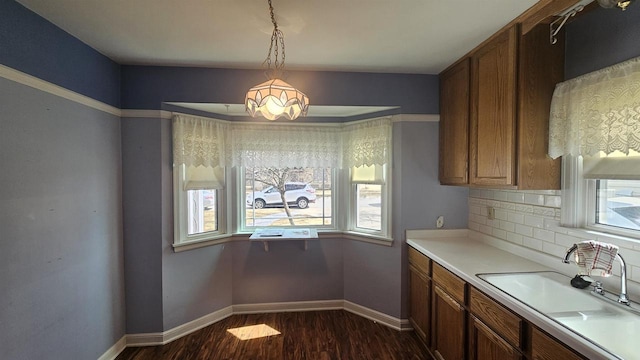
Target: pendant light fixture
{"x": 615, "y": 3}
{"x": 275, "y": 98}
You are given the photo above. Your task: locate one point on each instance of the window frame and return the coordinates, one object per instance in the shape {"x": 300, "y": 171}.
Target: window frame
{"x": 181, "y": 213}
{"x": 579, "y": 203}
{"x": 591, "y": 190}
{"x": 385, "y": 212}
{"x": 241, "y": 200}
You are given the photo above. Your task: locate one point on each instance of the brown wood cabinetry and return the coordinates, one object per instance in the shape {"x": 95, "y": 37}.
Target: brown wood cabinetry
{"x": 420, "y": 295}
{"x": 458, "y": 321}
{"x": 454, "y": 125}
{"x": 448, "y": 326}
{"x": 492, "y": 129}
{"x": 544, "y": 347}
{"x": 485, "y": 344}
{"x": 511, "y": 79}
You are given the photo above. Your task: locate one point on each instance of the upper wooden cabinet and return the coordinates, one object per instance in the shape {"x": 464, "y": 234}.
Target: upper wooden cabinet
{"x": 454, "y": 125}
{"x": 493, "y": 94}
{"x": 494, "y": 113}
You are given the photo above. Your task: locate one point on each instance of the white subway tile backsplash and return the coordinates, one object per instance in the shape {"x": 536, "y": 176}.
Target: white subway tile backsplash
{"x": 485, "y": 229}
{"x": 501, "y": 214}
{"x": 475, "y": 193}
{"x": 478, "y": 219}
{"x": 500, "y": 234}
{"x": 508, "y": 206}
{"x": 524, "y": 208}
{"x": 516, "y": 197}
{"x": 532, "y": 243}
{"x": 508, "y": 226}
{"x": 516, "y": 218}
{"x": 524, "y": 230}
{"x": 534, "y": 199}
{"x": 500, "y": 195}
{"x": 551, "y": 223}
{"x": 544, "y": 211}
{"x": 534, "y": 221}
{"x": 544, "y": 235}
{"x": 553, "y": 249}
{"x": 552, "y": 201}
{"x": 515, "y": 238}
{"x": 566, "y": 240}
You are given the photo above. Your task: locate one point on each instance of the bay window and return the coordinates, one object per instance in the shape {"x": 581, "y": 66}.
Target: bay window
{"x": 332, "y": 177}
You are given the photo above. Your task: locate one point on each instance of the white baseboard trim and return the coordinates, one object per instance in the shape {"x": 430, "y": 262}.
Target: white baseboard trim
{"x": 381, "y": 318}
{"x": 288, "y": 306}
{"x": 115, "y": 350}
{"x": 197, "y": 324}
{"x": 165, "y": 337}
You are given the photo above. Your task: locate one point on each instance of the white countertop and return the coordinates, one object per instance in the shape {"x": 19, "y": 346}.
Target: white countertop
{"x": 466, "y": 253}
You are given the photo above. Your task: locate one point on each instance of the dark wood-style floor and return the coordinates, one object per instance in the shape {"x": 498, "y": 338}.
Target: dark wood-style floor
{"x": 324, "y": 335}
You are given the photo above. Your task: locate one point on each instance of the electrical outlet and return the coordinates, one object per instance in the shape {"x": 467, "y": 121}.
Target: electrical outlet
{"x": 491, "y": 213}
{"x": 440, "y": 222}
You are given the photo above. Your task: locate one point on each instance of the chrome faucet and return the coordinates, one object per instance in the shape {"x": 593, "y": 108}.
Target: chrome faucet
{"x": 622, "y": 298}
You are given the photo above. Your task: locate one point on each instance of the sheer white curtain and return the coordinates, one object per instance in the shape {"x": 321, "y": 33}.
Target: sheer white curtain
{"x": 211, "y": 143}
{"x": 367, "y": 150}
{"x": 201, "y": 146}
{"x": 597, "y": 116}
{"x": 287, "y": 145}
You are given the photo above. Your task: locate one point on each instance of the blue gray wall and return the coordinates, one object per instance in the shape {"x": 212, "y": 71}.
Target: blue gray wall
{"x": 61, "y": 243}
{"x": 197, "y": 282}
{"x": 35, "y": 46}
{"x": 601, "y": 38}
{"x": 61, "y": 250}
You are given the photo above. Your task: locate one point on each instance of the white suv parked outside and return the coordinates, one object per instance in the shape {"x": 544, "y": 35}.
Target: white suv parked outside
{"x": 296, "y": 193}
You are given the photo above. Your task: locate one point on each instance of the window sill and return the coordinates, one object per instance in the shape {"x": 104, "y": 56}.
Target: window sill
{"x": 351, "y": 235}
{"x": 196, "y": 244}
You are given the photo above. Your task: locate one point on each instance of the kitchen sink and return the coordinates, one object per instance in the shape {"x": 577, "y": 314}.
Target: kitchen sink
{"x": 548, "y": 292}
{"x": 608, "y": 325}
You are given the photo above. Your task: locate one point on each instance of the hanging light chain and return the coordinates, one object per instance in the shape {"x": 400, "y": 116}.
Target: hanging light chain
{"x": 277, "y": 38}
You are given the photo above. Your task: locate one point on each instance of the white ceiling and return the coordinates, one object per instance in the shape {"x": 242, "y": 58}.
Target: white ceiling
{"x": 396, "y": 36}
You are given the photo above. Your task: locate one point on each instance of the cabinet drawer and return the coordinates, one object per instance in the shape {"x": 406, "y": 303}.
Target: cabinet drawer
{"x": 449, "y": 282}
{"x": 544, "y": 347}
{"x": 497, "y": 317}
{"x": 419, "y": 261}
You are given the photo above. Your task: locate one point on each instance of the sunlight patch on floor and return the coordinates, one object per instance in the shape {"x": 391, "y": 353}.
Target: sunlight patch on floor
{"x": 253, "y": 331}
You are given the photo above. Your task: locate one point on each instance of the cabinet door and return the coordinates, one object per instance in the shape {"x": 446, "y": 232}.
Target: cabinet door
{"x": 448, "y": 326}
{"x": 454, "y": 125}
{"x": 493, "y": 111}
{"x": 420, "y": 303}
{"x": 540, "y": 69}
{"x": 484, "y": 344}
{"x": 544, "y": 347}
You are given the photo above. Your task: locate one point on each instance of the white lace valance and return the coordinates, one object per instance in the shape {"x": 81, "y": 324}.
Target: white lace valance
{"x": 597, "y": 112}
{"x": 280, "y": 146}
{"x": 367, "y": 143}
{"x": 200, "y": 142}
{"x": 216, "y": 143}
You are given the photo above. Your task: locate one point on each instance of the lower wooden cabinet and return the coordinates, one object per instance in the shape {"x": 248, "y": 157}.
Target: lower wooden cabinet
{"x": 544, "y": 347}
{"x": 485, "y": 344}
{"x": 419, "y": 303}
{"x": 448, "y": 326}
{"x": 457, "y": 321}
